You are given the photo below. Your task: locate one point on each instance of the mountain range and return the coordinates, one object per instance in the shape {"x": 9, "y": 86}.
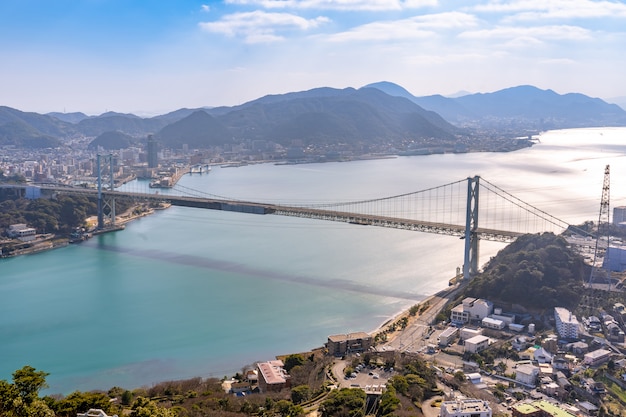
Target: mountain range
{"x": 377, "y": 114}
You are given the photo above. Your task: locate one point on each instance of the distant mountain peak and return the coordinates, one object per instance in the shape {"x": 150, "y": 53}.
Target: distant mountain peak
{"x": 390, "y": 88}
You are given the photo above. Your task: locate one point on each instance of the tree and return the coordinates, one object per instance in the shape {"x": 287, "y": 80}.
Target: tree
{"x": 79, "y": 402}
{"x": 292, "y": 361}
{"x": 346, "y": 402}
{"x": 144, "y": 407}
{"x": 29, "y": 382}
{"x": 300, "y": 394}
{"x": 286, "y": 408}
{"x": 388, "y": 402}
{"x": 459, "y": 376}
{"x": 400, "y": 383}
{"x": 21, "y": 398}
{"x": 127, "y": 397}
{"x": 8, "y": 394}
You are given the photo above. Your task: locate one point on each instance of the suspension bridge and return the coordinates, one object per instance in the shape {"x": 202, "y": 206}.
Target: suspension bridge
{"x": 472, "y": 209}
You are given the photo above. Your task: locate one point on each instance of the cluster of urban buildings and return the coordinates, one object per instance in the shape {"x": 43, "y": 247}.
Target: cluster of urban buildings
{"x": 546, "y": 363}
{"x": 77, "y": 164}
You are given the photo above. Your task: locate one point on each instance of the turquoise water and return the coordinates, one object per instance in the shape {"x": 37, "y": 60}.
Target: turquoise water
{"x": 190, "y": 292}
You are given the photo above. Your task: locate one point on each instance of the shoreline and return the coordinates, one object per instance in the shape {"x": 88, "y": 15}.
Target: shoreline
{"x": 435, "y": 304}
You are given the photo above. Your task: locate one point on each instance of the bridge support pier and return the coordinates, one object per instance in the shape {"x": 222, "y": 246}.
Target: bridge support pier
{"x": 470, "y": 264}
{"x": 106, "y": 207}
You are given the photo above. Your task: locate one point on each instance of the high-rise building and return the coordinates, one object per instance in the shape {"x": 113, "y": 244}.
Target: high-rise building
{"x": 152, "y": 148}
{"x": 619, "y": 215}
{"x": 566, "y": 323}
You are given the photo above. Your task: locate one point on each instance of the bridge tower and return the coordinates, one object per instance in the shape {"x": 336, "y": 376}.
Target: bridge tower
{"x": 470, "y": 264}
{"x": 106, "y": 206}
{"x": 603, "y": 238}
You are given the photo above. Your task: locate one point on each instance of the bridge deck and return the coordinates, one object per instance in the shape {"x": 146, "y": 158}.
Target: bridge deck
{"x": 305, "y": 212}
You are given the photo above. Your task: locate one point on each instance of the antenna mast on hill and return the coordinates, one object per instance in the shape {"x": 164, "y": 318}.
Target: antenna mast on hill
{"x": 602, "y": 241}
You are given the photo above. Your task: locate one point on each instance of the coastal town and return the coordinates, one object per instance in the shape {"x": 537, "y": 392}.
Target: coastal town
{"x": 486, "y": 362}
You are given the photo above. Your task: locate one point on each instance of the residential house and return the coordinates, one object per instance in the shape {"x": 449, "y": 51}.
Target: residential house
{"x": 527, "y": 374}
{"x": 614, "y": 333}
{"x": 469, "y": 332}
{"x": 593, "y": 387}
{"x": 562, "y": 380}
{"x": 448, "y": 336}
{"x": 476, "y": 344}
{"x": 578, "y": 348}
{"x": 520, "y": 343}
{"x": 491, "y": 323}
{"x": 587, "y": 408}
{"x": 561, "y": 363}
{"x": 239, "y": 388}
{"x": 542, "y": 356}
{"x": 551, "y": 344}
{"x": 597, "y": 357}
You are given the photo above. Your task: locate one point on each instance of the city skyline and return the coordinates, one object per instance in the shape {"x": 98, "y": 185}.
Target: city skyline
{"x": 150, "y": 58}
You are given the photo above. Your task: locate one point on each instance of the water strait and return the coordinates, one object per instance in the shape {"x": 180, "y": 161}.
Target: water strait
{"x": 190, "y": 292}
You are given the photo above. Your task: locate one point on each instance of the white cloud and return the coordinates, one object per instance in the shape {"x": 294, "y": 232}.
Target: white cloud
{"x": 259, "y": 26}
{"x": 205, "y": 8}
{"x": 345, "y": 5}
{"x": 524, "y": 42}
{"x": 447, "y": 20}
{"x": 445, "y": 59}
{"x": 383, "y": 31}
{"x": 554, "y": 9}
{"x": 561, "y": 32}
{"x": 558, "y": 61}
{"x": 417, "y": 27}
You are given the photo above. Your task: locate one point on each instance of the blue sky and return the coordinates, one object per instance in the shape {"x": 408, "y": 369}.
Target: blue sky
{"x": 150, "y": 57}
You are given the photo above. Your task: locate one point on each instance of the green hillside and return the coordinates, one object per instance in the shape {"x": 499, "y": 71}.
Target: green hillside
{"x": 536, "y": 271}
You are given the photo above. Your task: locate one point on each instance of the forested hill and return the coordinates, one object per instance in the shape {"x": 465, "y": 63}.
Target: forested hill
{"x": 536, "y": 271}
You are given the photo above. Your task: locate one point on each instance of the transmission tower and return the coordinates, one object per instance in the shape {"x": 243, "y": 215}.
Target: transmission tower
{"x": 602, "y": 272}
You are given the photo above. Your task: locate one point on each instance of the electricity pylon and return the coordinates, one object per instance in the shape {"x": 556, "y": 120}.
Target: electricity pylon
{"x": 603, "y": 235}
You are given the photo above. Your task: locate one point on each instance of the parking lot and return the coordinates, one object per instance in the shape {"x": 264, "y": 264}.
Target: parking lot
{"x": 366, "y": 376}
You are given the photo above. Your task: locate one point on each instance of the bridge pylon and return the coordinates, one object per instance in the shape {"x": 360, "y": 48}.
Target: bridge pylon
{"x": 106, "y": 206}
{"x": 470, "y": 264}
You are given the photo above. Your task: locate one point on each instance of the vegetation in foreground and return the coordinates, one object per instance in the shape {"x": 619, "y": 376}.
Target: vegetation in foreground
{"x": 415, "y": 382}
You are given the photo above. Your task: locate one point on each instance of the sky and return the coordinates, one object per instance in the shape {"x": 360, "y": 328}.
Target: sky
{"x": 150, "y": 57}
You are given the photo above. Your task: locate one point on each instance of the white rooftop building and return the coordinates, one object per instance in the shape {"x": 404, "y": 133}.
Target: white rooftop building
{"x": 22, "y": 232}
{"x": 467, "y": 407}
{"x": 471, "y": 309}
{"x": 476, "y": 344}
{"x": 527, "y": 374}
{"x": 566, "y": 323}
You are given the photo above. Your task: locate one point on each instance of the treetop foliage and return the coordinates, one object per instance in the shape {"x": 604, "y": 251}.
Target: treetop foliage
{"x": 538, "y": 271}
